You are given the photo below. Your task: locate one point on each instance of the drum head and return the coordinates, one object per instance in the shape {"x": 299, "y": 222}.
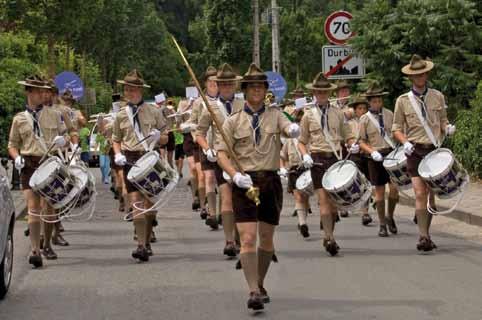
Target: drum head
{"x": 303, "y": 180}
{"x": 436, "y": 163}
{"x": 339, "y": 175}
{"x": 143, "y": 166}
{"x": 81, "y": 177}
{"x": 398, "y": 155}
{"x": 41, "y": 176}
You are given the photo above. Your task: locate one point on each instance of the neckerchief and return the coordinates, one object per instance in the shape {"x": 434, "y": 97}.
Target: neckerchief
{"x": 255, "y": 121}
{"x": 380, "y": 120}
{"x": 35, "y": 115}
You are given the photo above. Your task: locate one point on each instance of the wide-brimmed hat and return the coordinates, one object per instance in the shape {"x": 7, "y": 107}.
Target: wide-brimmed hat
{"x": 340, "y": 84}
{"x": 321, "y": 83}
{"x": 67, "y": 96}
{"x": 417, "y": 65}
{"x": 53, "y": 86}
{"x": 356, "y": 100}
{"x": 35, "y": 81}
{"x": 209, "y": 74}
{"x": 298, "y": 92}
{"x": 254, "y": 75}
{"x": 134, "y": 79}
{"x": 374, "y": 90}
{"x": 226, "y": 74}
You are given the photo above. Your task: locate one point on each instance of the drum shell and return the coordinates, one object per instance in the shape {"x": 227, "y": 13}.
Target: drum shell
{"x": 399, "y": 172}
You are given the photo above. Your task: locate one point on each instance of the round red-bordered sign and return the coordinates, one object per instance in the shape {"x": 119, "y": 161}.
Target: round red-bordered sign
{"x": 337, "y": 27}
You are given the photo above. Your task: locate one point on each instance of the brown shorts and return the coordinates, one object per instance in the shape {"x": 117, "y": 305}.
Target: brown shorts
{"x": 413, "y": 160}
{"x": 31, "y": 164}
{"x": 205, "y": 163}
{"x": 131, "y": 157}
{"x": 171, "y": 143}
{"x": 218, "y": 172}
{"x": 377, "y": 174}
{"x": 188, "y": 145}
{"x": 271, "y": 197}
{"x": 323, "y": 161}
{"x": 293, "y": 175}
{"x": 361, "y": 162}
{"x": 113, "y": 166}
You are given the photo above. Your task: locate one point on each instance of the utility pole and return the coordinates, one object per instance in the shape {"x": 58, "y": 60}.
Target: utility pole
{"x": 256, "y": 55}
{"x": 275, "y": 35}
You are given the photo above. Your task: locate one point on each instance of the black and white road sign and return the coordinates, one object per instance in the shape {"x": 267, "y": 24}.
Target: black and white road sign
{"x": 339, "y": 62}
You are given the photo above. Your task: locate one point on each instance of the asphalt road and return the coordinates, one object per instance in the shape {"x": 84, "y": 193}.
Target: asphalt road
{"x": 188, "y": 277}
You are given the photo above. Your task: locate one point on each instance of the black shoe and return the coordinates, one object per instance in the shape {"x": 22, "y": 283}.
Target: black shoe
{"x": 392, "y": 227}
{"x": 337, "y": 219}
{"x": 35, "y": 260}
{"x": 309, "y": 211}
{"x": 140, "y": 254}
{"x": 255, "y": 302}
{"x": 415, "y": 219}
{"x": 295, "y": 213}
{"x": 264, "y": 295}
{"x": 49, "y": 254}
{"x": 434, "y": 246}
{"x": 122, "y": 206}
{"x": 366, "y": 219}
{"x": 128, "y": 216}
{"x": 203, "y": 214}
{"x": 220, "y": 219}
{"x": 239, "y": 266}
{"x": 321, "y": 225}
{"x": 149, "y": 250}
{"x": 26, "y": 232}
{"x": 425, "y": 244}
{"x": 153, "y": 237}
{"x": 331, "y": 247}
{"x": 212, "y": 222}
{"x": 196, "y": 204}
{"x": 304, "y": 230}
{"x": 58, "y": 240}
{"x": 230, "y": 250}
{"x": 274, "y": 258}
{"x": 41, "y": 244}
{"x": 155, "y": 223}
{"x": 344, "y": 214}
{"x": 383, "y": 232}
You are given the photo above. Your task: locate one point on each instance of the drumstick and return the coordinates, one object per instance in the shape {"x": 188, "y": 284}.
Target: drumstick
{"x": 73, "y": 154}
{"x": 46, "y": 153}
{"x": 141, "y": 141}
{"x": 347, "y": 156}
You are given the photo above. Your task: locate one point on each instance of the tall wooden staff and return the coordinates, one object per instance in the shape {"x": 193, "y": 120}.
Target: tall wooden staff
{"x": 253, "y": 192}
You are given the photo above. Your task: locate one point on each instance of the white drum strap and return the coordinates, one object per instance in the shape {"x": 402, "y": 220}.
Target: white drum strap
{"x": 136, "y": 128}
{"x": 386, "y": 137}
{"x": 327, "y": 135}
{"x": 417, "y": 110}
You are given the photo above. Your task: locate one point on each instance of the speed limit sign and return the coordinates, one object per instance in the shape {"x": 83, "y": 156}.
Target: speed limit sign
{"x": 337, "y": 27}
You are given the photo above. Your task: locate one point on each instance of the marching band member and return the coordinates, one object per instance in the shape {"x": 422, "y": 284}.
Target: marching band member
{"x": 168, "y": 112}
{"x": 134, "y": 122}
{"x": 323, "y": 128}
{"x": 419, "y": 124}
{"x": 376, "y": 141}
{"x": 31, "y": 132}
{"x": 207, "y": 136}
{"x": 254, "y": 136}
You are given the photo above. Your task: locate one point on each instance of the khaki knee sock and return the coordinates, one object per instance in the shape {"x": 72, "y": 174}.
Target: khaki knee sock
{"x": 264, "y": 260}
{"x": 150, "y": 217}
{"x": 48, "y": 228}
{"x": 211, "y": 197}
{"x": 140, "y": 224}
{"x": 202, "y": 196}
{"x": 228, "y": 225}
{"x": 236, "y": 234}
{"x": 381, "y": 212}
{"x": 392, "y": 203}
{"x": 301, "y": 213}
{"x": 194, "y": 187}
{"x": 328, "y": 222}
{"x": 423, "y": 221}
{"x": 34, "y": 227}
{"x": 249, "y": 262}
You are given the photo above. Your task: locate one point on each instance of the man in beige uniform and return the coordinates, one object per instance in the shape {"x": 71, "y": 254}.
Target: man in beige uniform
{"x": 31, "y": 132}
{"x": 324, "y": 129}
{"x": 420, "y": 138}
{"x": 76, "y": 118}
{"x": 207, "y": 135}
{"x": 147, "y": 120}
{"x": 376, "y": 141}
{"x": 254, "y": 136}
{"x": 343, "y": 94}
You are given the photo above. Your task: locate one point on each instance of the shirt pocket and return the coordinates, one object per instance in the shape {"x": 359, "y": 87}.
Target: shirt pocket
{"x": 412, "y": 118}
{"x": 314, "y": 130}
{"x": 243, "y": 141}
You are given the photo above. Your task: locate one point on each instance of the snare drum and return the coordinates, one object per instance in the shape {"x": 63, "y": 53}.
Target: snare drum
{"x": 152, "y": 176}
{"x": 346, "y": 185}
{"x": 53, "y": 182}
{"x": 443, "y": 173}
{"x": 396, "y": 166}
{"x": 304, "y": 183}
{"x": 85, "y": 184}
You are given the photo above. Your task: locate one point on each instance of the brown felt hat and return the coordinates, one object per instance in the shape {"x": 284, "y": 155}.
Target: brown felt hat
{"x": 209, "y": 74}
{"x": 417, "y": 65}
{"x": 226, "y": 74}
{"x": 374, "y": 90}
{"x": 254, "y": 75}
{"x": 134, "y": 79}
{"x": 321, "y": 83}
{"x": 67, "y": 96}
{"x": 35, "y": 81}
{"x": 298, "y": 92}
{"x": 356, "y": 100}
{"x": 340, "y": 84}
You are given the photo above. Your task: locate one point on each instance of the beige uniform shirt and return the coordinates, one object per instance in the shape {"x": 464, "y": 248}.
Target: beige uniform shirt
{"x": 312, "y": 133}
{"x": 206, "y": 127}
{"x": 370, "y": 134}
{"x": 405, "y": 117}
{"x": 290, "y": 153}
{"x": 150, "y": 117}
{"x": 166, "y": 112}
{"x": 23, "y": 138}
{"x": 68, "y": 117}
{"x": 241, "y": 138}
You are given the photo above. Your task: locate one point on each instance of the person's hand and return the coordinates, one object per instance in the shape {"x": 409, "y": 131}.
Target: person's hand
{"x": 354, "y": 148}
{"x": 450, "y": 129}
{"x": 211, "y": 155}
{"x": 376, "y": 156}
{"x": 19, "y": 163}
{"x": 59, "y": 141}
{"x": 307, "y": 161}
{"x": 294, "y": 130}
{"x": 154, "y": 135}
{"x": 282, "y": 172}
{"x": 120, "y": 159}
{"x": 242, "y": 180}
{"x": 408, "y": 148}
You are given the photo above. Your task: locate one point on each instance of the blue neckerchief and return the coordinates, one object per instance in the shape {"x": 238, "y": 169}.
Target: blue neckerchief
{"x": 380, "y": 120}
{"x": 255, "y": 121}
{"x": 35, "y": 115}
{"x": 422, "y": 97}
{"x": 227, "y": 103}
{"x": 324, "y": 116}
{"x": 135, "y": 112}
